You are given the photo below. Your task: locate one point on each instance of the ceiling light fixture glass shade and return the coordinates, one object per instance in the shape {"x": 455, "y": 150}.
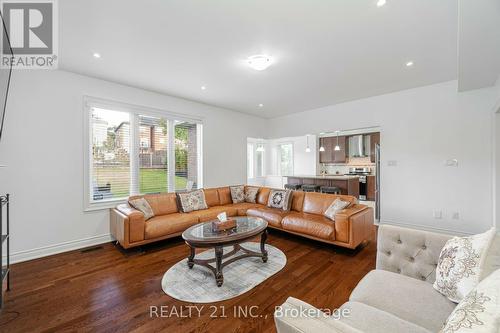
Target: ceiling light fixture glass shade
{"x": 380, "y": 3}
{"x": 321, "y": 148}
{"x": 337, "y": 147}
{"x": 260, "y": 148}
{"x": 259, "y": 62}
{"x": 308, "y": 150}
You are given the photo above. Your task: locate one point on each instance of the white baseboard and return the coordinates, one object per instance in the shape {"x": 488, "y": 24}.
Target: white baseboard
{"x": 425, "y": 228}
{"x": 45, "y": 251}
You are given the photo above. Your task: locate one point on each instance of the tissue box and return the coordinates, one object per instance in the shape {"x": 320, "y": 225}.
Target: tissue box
{"x": 224, "y": 225}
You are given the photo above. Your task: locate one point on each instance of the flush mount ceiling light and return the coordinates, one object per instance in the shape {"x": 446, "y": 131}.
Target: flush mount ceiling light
{"x": 381, "y": 3}
{"x": 409, "y": 64}
{"x": 261, "y": 105}
{"x": 203, "y": 88}
{"x": 97, "y": 55}
{"x": 259, "y": 62}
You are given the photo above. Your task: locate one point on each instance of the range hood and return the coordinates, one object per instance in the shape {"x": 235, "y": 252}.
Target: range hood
{"x": 359, "y": 146}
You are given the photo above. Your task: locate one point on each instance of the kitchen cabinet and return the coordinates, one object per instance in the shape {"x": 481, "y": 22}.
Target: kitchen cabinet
{"x": 370, "y": 188}
{"x": 374, "y": 139}
{"x": 327, "y": 155}
{"x": 330, "y": 155}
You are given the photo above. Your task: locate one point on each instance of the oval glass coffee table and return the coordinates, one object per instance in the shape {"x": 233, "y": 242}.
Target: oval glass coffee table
{"x": 203, "y": 236}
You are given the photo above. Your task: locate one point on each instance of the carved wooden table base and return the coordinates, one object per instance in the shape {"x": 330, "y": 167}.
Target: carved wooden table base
{"x": 219, "y": 255}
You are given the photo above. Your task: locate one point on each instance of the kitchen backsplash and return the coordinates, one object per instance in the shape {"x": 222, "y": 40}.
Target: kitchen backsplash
{"x": 333, "y": 169}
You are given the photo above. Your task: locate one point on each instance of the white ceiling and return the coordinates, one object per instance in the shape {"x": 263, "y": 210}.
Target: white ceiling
{"x": 479, "y": 43}
{"x": 325, "y": 52}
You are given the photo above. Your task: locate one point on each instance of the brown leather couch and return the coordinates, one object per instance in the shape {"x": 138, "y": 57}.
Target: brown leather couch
{"x": 351, "y": 227}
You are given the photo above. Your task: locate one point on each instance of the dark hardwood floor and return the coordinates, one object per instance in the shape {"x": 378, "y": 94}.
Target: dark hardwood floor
{"x": 107, "y": 289}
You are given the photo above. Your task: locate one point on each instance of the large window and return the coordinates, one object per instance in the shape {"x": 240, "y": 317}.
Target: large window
{"x": 285, "y": 159}
{"x": 255, "y": 160}
{"x": 135, "y": 151}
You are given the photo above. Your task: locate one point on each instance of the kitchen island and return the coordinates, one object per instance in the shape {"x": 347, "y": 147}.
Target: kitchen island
{"x": 346, "y": 183}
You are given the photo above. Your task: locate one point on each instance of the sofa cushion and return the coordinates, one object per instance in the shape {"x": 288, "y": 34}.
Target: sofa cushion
{"x": 273, "y": 216}
{"x": 242, "y": 207}
{"x": 191, "y": 201}
{"x": 212, "y": 197}
{"x": 224, "y": 196}
{"x": 251, "y": 194}
{"x": 369, "y": 319}
{"x": 310, "y": 224}
{"x": 336, "y": 206}
{"x": 317, "y": 203}
{"x": 297, "y": 200}
{"x": 263, "y": 195}
{"x": 237, "y": 193}
{"x": 212, "y": 212}
{"x": 164, "y": 225}
{"x": 161, "y": 203}
{"x": 281, "y": 199}
{"x": 460, "y": 264}
{"x": 407, "y": 298}
{"x": 142, "y": 205}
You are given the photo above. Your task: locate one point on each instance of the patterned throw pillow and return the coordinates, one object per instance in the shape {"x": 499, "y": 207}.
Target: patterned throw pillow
{"x": 460, "y": 265}
{"x": 281, "y": 199}
{"x": 336, "y": 206}
{"x": 479, "y": 311}
{"x": 251, "y": 194}
{"x": 142, "y": 205}
{"x": 191, "y": 201}
{"x": 237, "y": 193}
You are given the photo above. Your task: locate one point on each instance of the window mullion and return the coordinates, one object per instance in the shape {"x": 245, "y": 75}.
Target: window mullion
{"x": 134, "y": 154}
{"x": 171, "y": 155}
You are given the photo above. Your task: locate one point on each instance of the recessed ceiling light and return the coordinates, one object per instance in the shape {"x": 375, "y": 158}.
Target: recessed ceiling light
{"x": 259, "y": 62}
{"x": 381, "y": 3}
{"x": 203, "y": 88}
{"x": 261, "y": 105}
{"x": 409, "y": 64}
{"x": 97, "y": 55}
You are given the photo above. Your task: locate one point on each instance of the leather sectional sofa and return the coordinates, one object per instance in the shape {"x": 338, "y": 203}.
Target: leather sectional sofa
{"x": 351, "y": 227}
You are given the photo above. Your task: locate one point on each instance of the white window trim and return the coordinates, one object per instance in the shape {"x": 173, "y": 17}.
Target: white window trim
{"x": 278, "y": 158}
{"x": 134, "y": 111}
{"x": 255, "y": 143}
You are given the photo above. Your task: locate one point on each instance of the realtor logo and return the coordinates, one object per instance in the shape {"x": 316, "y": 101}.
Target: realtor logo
{"x": 32, "y": 32}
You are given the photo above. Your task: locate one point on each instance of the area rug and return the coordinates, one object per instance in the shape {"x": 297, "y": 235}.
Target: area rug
{"x": 197, "y": 285}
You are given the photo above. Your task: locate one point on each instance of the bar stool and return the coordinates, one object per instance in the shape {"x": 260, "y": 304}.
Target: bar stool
{"x": 330, "y": 189}
{"x": 310, "y": 188}
{"x": 294, "y": 187}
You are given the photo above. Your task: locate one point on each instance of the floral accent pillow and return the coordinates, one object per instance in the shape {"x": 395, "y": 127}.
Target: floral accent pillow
{"x": 479, "y": 311}
{"x": 336, "y": 206}
{"x": 460, "y": 265}
{"x": 142, "y": 205}
{"x": 237, "y": 193}
{"x": 191, "y": 201}
{"x": 251, "y": 194}
{"x": 281, "y": 199}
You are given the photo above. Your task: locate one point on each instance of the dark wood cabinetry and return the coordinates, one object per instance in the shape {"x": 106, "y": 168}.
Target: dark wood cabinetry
{"x": 330, "y": 155}
{"x": 347, "y": 185}
{"x": 374, "y": 139}
{"x": 370, "y": 188}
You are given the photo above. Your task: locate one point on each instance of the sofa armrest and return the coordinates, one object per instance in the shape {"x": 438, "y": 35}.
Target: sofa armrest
{"x": 127, "y": 224}
{"x": 296, "y": 316}
{"x": 410, "y": 252}
{"x": 354, "y": 224}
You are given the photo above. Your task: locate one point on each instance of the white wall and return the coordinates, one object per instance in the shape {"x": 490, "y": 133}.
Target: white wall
{"x": 43, "y": 148}
{"x": 420, "y": 129}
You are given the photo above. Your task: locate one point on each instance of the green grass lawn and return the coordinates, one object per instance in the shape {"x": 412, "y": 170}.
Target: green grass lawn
{"x": 150, "y": 180}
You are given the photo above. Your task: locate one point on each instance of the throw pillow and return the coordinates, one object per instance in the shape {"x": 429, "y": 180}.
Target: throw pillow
{"x": 460, "y": 265}
{"x": 251, "y": 194}
{"x": 237, "y": 193}
{"x": 281, "y": 199}
{"x": 142, "y": 205}
{"x": 191, "y": 201}
{"x": 479, "y": 311}
{"x": 336, "y": 206}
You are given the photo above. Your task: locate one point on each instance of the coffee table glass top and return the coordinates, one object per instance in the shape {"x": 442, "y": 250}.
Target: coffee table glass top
{"x": 244, "y": 225}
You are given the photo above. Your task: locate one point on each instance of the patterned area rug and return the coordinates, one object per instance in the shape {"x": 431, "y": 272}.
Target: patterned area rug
{"x": 197, "y": 285}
